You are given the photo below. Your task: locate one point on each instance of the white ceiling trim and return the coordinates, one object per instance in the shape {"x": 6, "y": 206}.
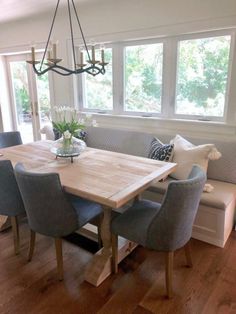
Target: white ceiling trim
{"x": 11, "y": 10}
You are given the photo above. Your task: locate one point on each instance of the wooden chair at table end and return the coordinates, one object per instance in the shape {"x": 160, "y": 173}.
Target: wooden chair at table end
{"x": 163, "y": 227}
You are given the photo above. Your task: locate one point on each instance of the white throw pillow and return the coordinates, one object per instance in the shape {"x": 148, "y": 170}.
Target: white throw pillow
{"x": 186, "y": 155}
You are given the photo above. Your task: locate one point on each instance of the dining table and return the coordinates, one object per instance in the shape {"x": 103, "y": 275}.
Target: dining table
{"x": 109, "y": 178}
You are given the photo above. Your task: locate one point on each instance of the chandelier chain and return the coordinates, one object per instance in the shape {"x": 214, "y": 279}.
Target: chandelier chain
{"x": 81, "y": 31}
{"x": 72, "y": 35}
{"x": 49, "y": 35}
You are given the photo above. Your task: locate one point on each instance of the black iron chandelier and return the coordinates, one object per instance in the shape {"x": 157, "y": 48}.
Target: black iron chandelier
{"x": 51, "y": 62}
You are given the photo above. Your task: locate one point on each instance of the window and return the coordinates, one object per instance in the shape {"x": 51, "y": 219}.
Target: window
{"x": 202, "y": 76}
{"x": 184, "y": 76}
{"x": 98, "y": 89}
{"x": 143, "y": 78}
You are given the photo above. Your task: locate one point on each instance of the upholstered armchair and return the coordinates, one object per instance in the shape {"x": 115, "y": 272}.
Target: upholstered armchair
{"x": 50, "y": 210}
{"x": 11, "y": 203}
{"x": 8, "y": 139}
{"x": 163, "y": 227}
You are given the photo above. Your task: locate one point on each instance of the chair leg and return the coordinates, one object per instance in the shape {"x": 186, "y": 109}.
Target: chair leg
{"x": 114, "y": 242}
{"x": 58, "y": 245}
{"x": 16, "y": 237}
{"x": 138, "y": 198}
{"x": 187, "y": 250}
{"x": 32, "y": 245}
{"x": 169, "y": 273}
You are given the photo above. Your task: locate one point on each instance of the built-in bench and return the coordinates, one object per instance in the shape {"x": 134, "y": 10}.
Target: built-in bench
{"x": 215, "y": 217}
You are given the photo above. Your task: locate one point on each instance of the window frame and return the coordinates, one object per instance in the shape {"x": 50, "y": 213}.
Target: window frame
{"x": 81, "y": 91}
{"x": 169, "y": 77}
{"x": 210, "y": 34}
{"x": 142, "y": 43}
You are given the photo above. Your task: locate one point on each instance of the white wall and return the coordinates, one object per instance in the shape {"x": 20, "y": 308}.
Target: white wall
{"x": 112, "y": 20}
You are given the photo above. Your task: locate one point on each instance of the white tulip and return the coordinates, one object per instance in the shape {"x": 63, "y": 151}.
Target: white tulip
{"x": 67, "y": 134}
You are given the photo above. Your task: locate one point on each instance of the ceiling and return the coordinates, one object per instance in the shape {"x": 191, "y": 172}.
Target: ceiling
{"x": 11, "y": 10}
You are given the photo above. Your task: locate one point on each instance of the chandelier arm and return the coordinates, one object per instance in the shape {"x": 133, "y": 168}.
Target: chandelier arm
{"x": 78, "y": 21}
{"x": 49, "y": 35}
{"x": 93, "y": 70}
{"x": 87, "y": 70}
{"x": 41, "y": 72}
{"x": 72, "y": 35}
{"x": 68, "y": 72}
{"x": 61, "y": 73}
{"x": 53, "y": 68}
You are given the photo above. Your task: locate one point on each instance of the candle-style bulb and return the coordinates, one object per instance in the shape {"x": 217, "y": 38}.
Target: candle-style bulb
{"x": 102, "y": 47}
{"x": 54, "y": 50}
{"x": 93, "y": 53}
{"x": 33, "y": 53}
{"x": 49, "y": 54}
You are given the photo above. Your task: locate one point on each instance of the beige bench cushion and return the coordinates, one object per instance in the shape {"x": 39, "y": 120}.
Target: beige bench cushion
{"x": 222, "y": 195}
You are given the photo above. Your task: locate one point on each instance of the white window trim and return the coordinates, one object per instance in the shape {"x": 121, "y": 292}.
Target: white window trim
{"x": 169, "y": 78}
{"x": 80, "y": 92}
{"x": 210, "y": 34}
{"x": 140, "y": 43}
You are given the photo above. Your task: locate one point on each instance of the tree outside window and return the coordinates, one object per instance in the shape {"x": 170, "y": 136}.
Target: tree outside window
{"x": 202, "y": 76}
{"x": 143, "y": 78}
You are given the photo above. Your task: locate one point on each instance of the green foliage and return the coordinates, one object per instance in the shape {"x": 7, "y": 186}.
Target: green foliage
{"x": 98, "y": 89}
{"x": 43, "y": 93}
{"x": 202, "y": 74}
{"x": 21, "y": 89}
{"x": 143, "y": 77}
{"x": 22, "y": 99}
{"x": 73, "y": 126}
{"x": 20, "y": 84}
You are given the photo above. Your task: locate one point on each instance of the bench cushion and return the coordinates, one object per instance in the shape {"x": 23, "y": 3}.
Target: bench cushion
{"x": 222, "y": 195}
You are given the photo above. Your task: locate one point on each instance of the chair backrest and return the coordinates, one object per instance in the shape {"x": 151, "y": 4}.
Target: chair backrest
{"x": 11, "y": 203}
{"x": 173, "y": 223}
{"x": 47, "y": 208}
{"x": 8, "y": 139}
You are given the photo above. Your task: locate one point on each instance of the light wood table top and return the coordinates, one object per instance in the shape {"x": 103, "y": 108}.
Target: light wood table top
{"x": 106, "y": 177}
{"x": 109, "y": 178}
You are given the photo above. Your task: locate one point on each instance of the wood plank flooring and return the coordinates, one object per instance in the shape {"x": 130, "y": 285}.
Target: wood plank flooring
{"x": 139, "y": 286}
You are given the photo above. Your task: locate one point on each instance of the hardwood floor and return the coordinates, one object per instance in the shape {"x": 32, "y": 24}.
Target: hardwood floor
{"x": 139, "y": 286}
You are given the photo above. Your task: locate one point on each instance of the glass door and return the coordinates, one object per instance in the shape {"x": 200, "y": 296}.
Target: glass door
{"x": 30, "y": 98}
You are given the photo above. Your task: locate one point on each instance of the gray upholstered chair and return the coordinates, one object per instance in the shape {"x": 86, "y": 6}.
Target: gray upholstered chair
{"x": 50, "y": 210}
{"x": 11, "y": 203}
{"x": 8, "y": 139}
{"x": 163, "y": 227}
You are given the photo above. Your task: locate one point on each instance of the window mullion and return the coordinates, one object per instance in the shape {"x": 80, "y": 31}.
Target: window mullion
{"x": 118, "y": 78}
{"x": 169, "y": 77}
{"x": 230, "y": 89}
{"x": 80, "y": 92}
